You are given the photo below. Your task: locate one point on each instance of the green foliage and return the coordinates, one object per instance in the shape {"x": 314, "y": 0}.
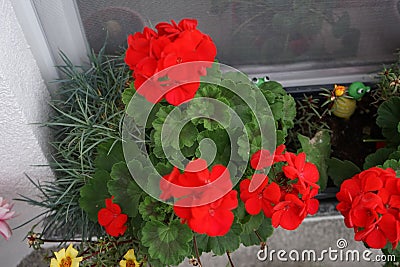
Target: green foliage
{"x": 282, "y": 105}
{"x": 108, "y": 153}
{"x": 219, "y": 245}
{"x": 87, "y": 112}
{"x": 318, "y": 150}
{"x": 128, "y": 94}
{"x": 153, "y": 210}
{"x": 340, "y": 170}
{"x": 125, "y": 190}
{"x": 388, "y": 119}
{"x": 378, "y": 157}
{"x": 94, "y": 193}
{"x": 392, "y": 163}
{"x": 254, "y": 228}
{"x": 388, "y": 81}
{"x": 167, "y": 243}
{"x": 309, "y": 119}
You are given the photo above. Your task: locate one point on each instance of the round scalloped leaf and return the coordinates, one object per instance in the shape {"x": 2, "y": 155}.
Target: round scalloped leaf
{"x": 153, "y": 210}
{"x": 259, "y": 224}
{"x": 339, "y": 170}
{"x": 220, "y": 244}
{"x": 108, "y": 154}
{"x": 94, "y": 193}
{"x": 167, "y": 243}
{"x": 388, "y": 119}
{"x": 124, "y": 189}
{"x": 377, "y": 158}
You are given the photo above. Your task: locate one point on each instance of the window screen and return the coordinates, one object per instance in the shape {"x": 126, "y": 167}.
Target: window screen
{"x": 322, "y": 34}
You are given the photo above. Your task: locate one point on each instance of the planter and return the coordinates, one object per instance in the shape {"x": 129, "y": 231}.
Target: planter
{"x": 190, "y": 157}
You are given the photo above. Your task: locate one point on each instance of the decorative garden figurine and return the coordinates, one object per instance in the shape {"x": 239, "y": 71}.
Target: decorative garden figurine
{"x": 357, "y": 90}
{"x": 344, "y": 101}
{"x": 260, "y": 81}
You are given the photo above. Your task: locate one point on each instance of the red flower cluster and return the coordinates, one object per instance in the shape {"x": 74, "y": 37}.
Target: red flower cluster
{"x": 112, "y": 219}
{"x": 206, "y": 197}
{"x": 150, "y": 52}
{"x": 370, "y": 203}
{"x": 290, "y": 196}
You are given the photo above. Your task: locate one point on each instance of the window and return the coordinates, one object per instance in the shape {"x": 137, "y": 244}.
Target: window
{"x": 297, "y": 42}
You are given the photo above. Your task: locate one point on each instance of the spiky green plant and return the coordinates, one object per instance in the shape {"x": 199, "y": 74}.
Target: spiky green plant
{"x": 88, "y": 111}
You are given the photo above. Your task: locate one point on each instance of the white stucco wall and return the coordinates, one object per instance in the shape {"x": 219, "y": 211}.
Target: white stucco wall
{"x": 23, "y": 98}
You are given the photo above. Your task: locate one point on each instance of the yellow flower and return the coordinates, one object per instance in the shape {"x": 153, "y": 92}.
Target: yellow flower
{"x": 339, "y": 90}
{"x": 66, "y": 258}
{"x": 130, "y": 260}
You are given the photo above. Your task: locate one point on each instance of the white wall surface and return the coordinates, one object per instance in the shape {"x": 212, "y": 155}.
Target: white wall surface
{"x": 23, "y": 98}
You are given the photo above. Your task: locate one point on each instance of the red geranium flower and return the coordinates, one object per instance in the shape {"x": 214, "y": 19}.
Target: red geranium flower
{"x": 263, "y": 158}
{"x": 194, "y": 181}
{"x": 289, "y": 196}
{"x": 264, "y": 197}
{"x": 289, "y": 213}
{"x": 297, "y": 168}
{"x": 112, "y": 219}
{"x": 377, "y": 234}
{"x": 150, "y": 52}
{"x": 370, "y": 203}
{"x": 216, "y": 218}
{"x": 198, "y": 189}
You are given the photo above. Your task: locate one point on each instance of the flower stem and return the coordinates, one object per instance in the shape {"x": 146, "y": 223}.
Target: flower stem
{"x": 262, "y": 242}
{"x": 229, "y": 258}
{"x": 196, "y": 249}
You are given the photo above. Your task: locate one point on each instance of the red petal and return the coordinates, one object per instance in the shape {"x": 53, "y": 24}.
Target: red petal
{"x": 388, "y": 225}
{"x": 312, "y": 206}
{"x": 300, "y": 161}
{"x": 376, "y": 239}
{"x": 229, "y": 201}
{"x": 261, "y": 159}
{"x": 371, "y": 182}
{"x": 290, "y": 172}
{"x": 272, "y": 193}
{"x": 291, "y": 220}
{"x": 104, "y": 217}
{"x": 310, "y": 173}
{"x": 253, "y": 205}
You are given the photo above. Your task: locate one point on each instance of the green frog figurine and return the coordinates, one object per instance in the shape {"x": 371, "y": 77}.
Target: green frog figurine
{"x": 345, "y": 104}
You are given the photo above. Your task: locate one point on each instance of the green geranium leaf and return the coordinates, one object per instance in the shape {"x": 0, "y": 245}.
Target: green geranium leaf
{"x": 94, "y": 194}
{"x": 289, "y": 112}
{"x": 377, "y": 158}
{"x": 209, "y": 90}
{"x": 142, "y": 111}
{"x": 340, "y": 170}
{"x": 318, "y": 150}
{"x": 188, "y": 135}
{"x": 151, "y": 209}
{"x": 394, "y": 164}
{"x": 124, "y": 189}
{"x": 220, "y": 244}
{"x": 257, "y": 227}
{"x": 388, "y": 119}
{"x": 236, "y": 77}
{"x": 128, "y": 94}
{"x": 108, "y": 154}
{"x": 273, "y": 87}
{"x": 277, "y": 110}
{"x": 213, "y": 74}
{"x": 163, "y": 168}
{"x": 167, "y": 243}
